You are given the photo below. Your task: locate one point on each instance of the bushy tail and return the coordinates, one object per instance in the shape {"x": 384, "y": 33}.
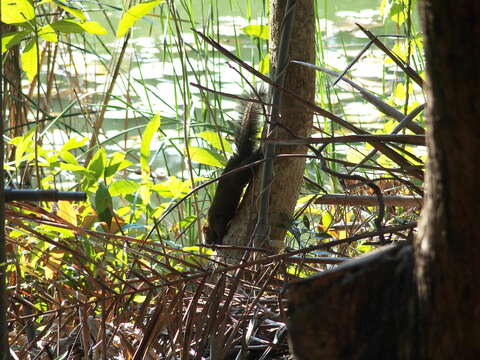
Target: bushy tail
{"x": 248, "y": 128}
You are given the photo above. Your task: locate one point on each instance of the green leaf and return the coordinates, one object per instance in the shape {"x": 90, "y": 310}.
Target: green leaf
{"x": 116, "y": 163}
{"x": 68, "y": 26}
{"x": 139, "y": 299}
{"x": 173, "y": 188}
{"x": 124, "y": 187}
{"x": 16, "y": 11}
{"x": 74, "y": 143}
{"x": 150, "y": 130}
{"x": 95, "y": 169}
{"x": 68, "y": 157}
{"x": 217, "y": 141}
{"x": 264, "y": 66}
{"x": 11, "y": 39}
{"x": 103, "y": 204}
{"x": 24, "y": 144}
{"x": 206, "y": 157}
{"x": 74, "y": 168}
{"x": 48, "y": 33}
{"x": 97, "y": 164}
{"x": 133, "y": 14}
{"x": 260, "y": 31}
{"x": 92, "y": 27}
{"x": 30, "y": 59}
{"x": 71, "y": 10}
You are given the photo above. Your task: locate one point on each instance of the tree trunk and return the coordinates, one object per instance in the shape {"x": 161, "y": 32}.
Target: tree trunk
{"x": 448, "y": 248}
{"x": 428, "y": 308}
{"x": 293, "y": 116}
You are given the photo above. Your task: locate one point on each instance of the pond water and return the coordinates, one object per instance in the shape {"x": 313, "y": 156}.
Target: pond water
{"x": 158, "y": 67}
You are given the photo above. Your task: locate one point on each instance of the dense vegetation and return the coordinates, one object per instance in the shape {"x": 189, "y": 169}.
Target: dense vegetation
{"x": 133, "y": 108}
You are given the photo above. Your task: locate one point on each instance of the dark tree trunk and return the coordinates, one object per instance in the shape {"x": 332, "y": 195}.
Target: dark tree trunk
{"x": 448, "y": 249}
{"x": 386, "y": 306}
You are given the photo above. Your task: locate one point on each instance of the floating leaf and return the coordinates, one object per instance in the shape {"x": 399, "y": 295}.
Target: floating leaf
{"x": 133, "y": 14}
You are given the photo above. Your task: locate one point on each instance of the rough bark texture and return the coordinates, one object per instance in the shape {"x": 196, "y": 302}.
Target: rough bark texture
{"x": 294, "y": 116}
{"x": 442, "y": 294}
{"x": 448, "y": 249}
{"x": 364, "y": 309}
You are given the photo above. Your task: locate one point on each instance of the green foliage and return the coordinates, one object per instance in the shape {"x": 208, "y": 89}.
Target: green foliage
{"x": 135, "y": 13}
{"x": 34, "y": 30}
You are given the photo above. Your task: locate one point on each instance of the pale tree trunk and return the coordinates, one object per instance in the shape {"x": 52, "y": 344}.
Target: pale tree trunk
{"x": 293, "y": 116}
{"x": 420, "y": 302}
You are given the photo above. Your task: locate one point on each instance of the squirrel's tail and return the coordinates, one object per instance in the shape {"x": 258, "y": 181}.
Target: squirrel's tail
{"x": 248, "y": 128}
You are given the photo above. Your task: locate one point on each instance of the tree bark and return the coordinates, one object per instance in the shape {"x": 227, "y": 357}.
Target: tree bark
{"x": 428, "y": 308}
{"x": 448, "y": 248}
{"x": 293, "y": 116}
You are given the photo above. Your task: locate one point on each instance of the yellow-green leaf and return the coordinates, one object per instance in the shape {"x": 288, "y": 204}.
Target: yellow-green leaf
{"x": 217, "y": 141}
{"x": 260, "y": 31}
{"x": 47, "y": 33}
{"x": 92, "y": 27}
{"x": 30, "y": 59}
{"x": 124, "y": 187}
{"x": 67, "y": 212}
{"x": 12, "y": 39}
{"x": 16, "y": 11}
{"x": 73, "y": 11}
{"x": 147, "y": 136}
{"x": 74, "y": 143}
{"x": 206, "y": 157}
{"x": 133, "y": 14}
{"x": 264, "y": 66}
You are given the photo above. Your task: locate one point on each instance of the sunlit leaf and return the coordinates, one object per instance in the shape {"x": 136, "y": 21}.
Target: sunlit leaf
{"x": 116, "y": 163}
{"x": 24, "y": 144}
{"x": 206, "y": 157}
{"x": 74, "y": 168}
{"x": 74, "y": 143}
{"x": 47, "y": 33}
{"x": 145, "y": 191}
{"x": 11, "y": 39}
{"x": 139, "y": 299}
{"x": 124, "y": 187}
{"x": 71, "y": 10}
{"x": 150, "y": 130}
{"x": 92, "y": 27}
{"x": 30, "y": 59}
{"x": 16, "y": 11}
{"x": 260, "y": 31}
{"x": 67, "y": 212}
{"x": 218, "y": 142}
{"x": 133, "y": 14}
{"x": 264, "y": 66}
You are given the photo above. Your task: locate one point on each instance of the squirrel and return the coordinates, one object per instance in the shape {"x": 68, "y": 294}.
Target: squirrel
{"x": 230, "y": 188}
